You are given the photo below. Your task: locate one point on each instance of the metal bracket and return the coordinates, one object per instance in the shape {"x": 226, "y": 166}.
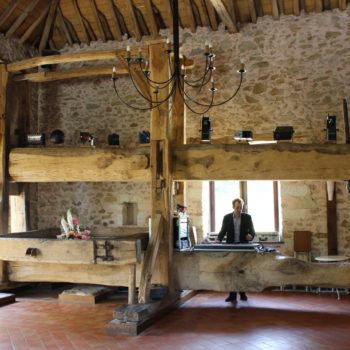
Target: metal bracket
{"x": 108, "y": 247}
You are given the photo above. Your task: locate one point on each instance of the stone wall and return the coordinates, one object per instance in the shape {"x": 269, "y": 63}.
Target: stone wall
{"x": 297, "y": 73}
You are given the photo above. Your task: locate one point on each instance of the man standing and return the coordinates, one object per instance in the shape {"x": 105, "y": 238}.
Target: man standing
{"x": 238, "y": 227}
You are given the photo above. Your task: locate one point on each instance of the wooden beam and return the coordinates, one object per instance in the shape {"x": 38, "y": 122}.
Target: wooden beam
{"x": 332, "y": 231}
{"x": 226, "y": 271}
{"x": 160, "y": 165}
{"x": 3, "y": 152}
{"x": 211, "y": 14}
{"x": 259, "y": 8}
{"x": 342, "y": 5}
{"x": 275, "y": 12}
{"x": 169, "y": 11}
{"x": 296, "y": 7}
{"x": 97, "y": 19}
{"x": 117, "y": 32}
{"x": 63, "y": 26}
{"x": 252, "y": 10}
{"x": 33, "y": 26}
{"x": 132, "y": 285}
{"x": 8, "y": 11}
{"x": 318, "y": 6}
{"x": 188, "y": 4}
{"x": 48, "y": 24}
{"x": 65, "y": 164}
{"x": 81, "y": 22}
{"x": 135, "y": 23}
{"x": 231, "y": 10}
{"x": 285, "y": 161}
{"x": 224, "y": 15}
{"x": 21, "y": 18}
{"x": 45, "y": 76}
{"x": 68, "y": 58}
{"x": 149, "y": 262}
{"x": 151, "y": 17}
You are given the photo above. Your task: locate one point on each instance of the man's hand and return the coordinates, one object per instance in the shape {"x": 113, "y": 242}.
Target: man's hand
{"x": 248, "y": 237}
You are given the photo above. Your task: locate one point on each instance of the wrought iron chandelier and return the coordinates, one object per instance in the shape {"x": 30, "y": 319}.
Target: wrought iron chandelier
{"x": 178, "y": 81}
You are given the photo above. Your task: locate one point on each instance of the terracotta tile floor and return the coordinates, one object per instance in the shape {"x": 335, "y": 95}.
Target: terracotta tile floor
{"x": 269, "y": 320}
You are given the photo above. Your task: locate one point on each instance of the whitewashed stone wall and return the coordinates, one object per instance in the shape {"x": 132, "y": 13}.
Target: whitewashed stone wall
{"x": 297, "y": 73}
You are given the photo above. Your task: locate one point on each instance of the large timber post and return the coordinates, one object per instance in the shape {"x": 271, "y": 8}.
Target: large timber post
{"x": 161, "y": 271}
{"x": 3, "y": 175}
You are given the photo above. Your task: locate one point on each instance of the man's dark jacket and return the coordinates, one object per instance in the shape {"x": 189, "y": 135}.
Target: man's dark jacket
{"x": 229, "y": 229}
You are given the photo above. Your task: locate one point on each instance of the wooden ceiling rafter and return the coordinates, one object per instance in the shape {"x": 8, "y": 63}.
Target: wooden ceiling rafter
{"x": 318, "y": 6}
{"x": 98, "y": 20}
{"x": 342, "y": 5}
{"x": 48, "y": 24}
{"x": 30, "y": 30}
{"x": 134, "y": 21}
{"x": 232, "y": 11}
{"x": 141, "y": 21}
{"x": 169, "y": 11}
{"x": 275, "y": 12}
{"x": 62, "y": 24}
{"x": 296, "y": 8}
{"x": 190, "y": 14}
{"x": 151, "y": 17}
{"x": 117, "y": 33}
{"x": 203, "y": 13}
{"x": 225, "y": 16}
{"x": 83, "y": 29}
{"x": 8, "y": 11}
{"x": 211, "y": 14}
{"x": 280, "y": 5}
{"x": 197, "y": 14}
{"x": 90, "y": 31}
{"x": 20, "y": 19}
{"x": 252, "y": 11}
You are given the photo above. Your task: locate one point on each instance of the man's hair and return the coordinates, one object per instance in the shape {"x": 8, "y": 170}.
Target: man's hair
{"x": 240, "y": 200}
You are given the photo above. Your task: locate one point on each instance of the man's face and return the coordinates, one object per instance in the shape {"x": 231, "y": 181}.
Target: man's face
{"x": 237, "y": 208}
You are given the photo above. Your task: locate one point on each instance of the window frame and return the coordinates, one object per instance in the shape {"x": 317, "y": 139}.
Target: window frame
{"x": 244, "y": 196}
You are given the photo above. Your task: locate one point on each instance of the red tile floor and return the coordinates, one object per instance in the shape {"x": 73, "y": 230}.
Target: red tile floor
{"x": 269, "y": 320}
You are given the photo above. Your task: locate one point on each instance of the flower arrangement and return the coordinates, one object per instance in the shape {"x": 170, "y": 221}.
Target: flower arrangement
{"x": 71, "y": 229}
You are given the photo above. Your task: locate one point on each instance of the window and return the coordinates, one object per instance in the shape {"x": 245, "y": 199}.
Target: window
{"x": 260, "y": 201}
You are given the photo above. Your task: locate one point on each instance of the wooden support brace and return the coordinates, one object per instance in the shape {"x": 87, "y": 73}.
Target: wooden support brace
{"x": 150, "y": 258}
{"x": 132, "y": 285}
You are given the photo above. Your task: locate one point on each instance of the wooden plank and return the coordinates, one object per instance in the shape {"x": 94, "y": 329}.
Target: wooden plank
{"x": 117, "y": 32}
{"x": 21, "y": 18}
{"x": 252, "y": 10}
{"x": 342, "y": 5}
{"x": 135, "y": 23}
{"x": 8, "y": 11}
{"x": 211, "y": 14}
{"x": 4, "y": 205}
{"x": 318, "y": 6}
{"x": 188, "y": 4}
{"x": 108, "y": 275}
{"x": 332, "y": 231}
{"x": 224, "y": 15}
{"x": 285, "y": 161}
{"x": 132, "y": 285}
{"x": 81, "y": 22}
{"x": 97, "y": 19}
{"x": 296, "y": 7}
{"x": 151, "y": 17}
{"x": 69, "y": 58}
{"x": 275, "y": 12}
{"x": 63, "y": 26}
{"x": 230, "y": 6}
{"x": 48, "y": 25}
{"x": 65, "y": 164}
{"x": 86, "y": 294}
{"x": 226, "y": 271}
{"x": 45, "y": 76}
{"x": 150, "y": 258}
{"x": 33, "y": 26}
{"x": 47, "y": 250}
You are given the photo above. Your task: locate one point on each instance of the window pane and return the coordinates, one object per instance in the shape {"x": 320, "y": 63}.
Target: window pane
{"x": 261, "y": 205}
{"x": 225, "y": 193}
